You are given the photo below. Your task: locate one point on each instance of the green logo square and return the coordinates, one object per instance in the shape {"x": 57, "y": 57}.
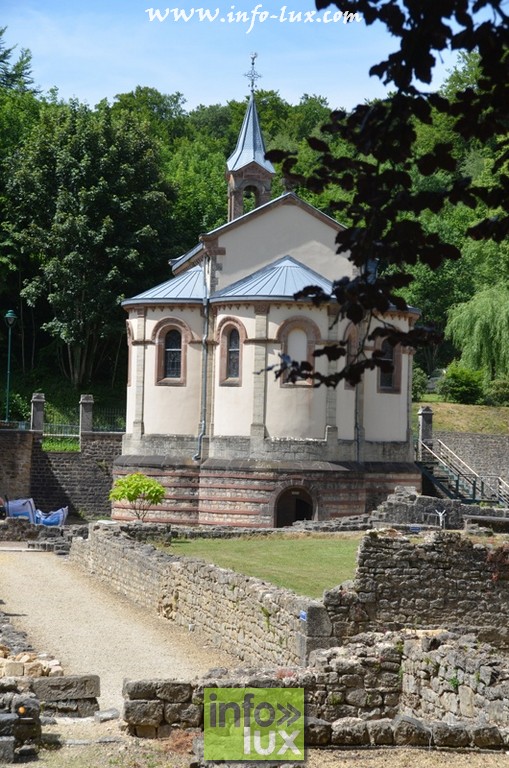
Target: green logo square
{"x": 254, "y": 724}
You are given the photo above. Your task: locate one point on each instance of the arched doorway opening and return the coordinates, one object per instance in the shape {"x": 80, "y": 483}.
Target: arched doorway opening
{"x": 292, "y": 505}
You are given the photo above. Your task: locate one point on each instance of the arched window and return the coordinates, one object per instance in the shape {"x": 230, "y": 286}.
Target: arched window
{"x": 173, "y": 354}
{"x": 172, "y": 337}
{"x": 231, "y": 336}
{"x": 233, "y": 354}
{"x": 298, "y": 337}
{"x": 389, "y": 380}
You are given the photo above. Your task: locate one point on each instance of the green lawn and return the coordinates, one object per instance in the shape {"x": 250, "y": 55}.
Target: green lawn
{"x": 306, "y": 564}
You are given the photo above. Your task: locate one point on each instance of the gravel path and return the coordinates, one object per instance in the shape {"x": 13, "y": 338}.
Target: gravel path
{"x": 94, "y": 631}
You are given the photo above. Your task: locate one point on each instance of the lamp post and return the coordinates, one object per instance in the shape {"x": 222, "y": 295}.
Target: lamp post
{"x": 10, "y": 318}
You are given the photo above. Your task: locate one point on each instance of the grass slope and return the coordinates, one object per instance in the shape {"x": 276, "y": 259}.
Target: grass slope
{"x": 451, "y": 417}
{"x": 306, "y": 564}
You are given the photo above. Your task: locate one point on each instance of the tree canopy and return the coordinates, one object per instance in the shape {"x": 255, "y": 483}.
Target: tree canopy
{"x": 89, "y": 208}
{"x": 93, "y": 201}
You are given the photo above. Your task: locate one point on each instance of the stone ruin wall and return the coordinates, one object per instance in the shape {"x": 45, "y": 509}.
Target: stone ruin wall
{"x": 417, "y": 688}
{"x": 253, "y": 619}
{"x": 397, "y": 656}
{"x": 444, "y": 582}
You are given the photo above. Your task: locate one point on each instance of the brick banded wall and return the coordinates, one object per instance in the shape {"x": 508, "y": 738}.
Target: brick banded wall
{"x": 242, "y": 493}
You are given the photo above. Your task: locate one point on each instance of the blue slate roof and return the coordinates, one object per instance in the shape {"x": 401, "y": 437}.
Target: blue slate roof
{"x": 187, "y": 287}
{"x": 250, "y": 145}
{"x": 279, "y": 280}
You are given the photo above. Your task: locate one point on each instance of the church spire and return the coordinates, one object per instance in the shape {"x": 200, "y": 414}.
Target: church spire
{"x": 247, "y": 170}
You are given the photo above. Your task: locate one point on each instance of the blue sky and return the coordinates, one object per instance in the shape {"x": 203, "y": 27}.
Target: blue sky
{"x": 94, "y": 49}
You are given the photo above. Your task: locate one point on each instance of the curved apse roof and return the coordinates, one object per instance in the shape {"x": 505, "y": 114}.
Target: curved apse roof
{"x": 187, "y": 287}
{"x": 279, "y": 280}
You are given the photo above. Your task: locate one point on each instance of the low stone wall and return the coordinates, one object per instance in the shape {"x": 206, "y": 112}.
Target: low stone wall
{"x": 410, "y": 689}
{"x": 362, "y": 681}
{"x": 251, "y": 618}
{"x": 406, "y": 507}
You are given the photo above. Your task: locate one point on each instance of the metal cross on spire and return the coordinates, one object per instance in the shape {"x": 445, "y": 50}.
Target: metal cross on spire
{"x": 253, "y": 75}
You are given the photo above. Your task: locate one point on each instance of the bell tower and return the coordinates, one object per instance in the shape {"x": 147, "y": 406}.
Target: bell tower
{"x": 247, "y": 170}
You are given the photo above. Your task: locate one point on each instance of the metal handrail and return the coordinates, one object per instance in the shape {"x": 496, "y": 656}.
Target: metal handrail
{"x": 477, "y": 485}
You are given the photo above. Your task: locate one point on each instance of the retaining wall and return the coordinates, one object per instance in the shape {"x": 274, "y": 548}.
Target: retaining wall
{"x": 486, "y": 454}
{"x": 80, "y": 480}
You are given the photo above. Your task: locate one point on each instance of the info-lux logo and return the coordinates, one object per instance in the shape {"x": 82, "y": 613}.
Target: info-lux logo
{"x": 254, "y": 724}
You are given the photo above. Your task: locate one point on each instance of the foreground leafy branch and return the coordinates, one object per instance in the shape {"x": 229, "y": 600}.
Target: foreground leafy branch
{"x": 386, "y": 235}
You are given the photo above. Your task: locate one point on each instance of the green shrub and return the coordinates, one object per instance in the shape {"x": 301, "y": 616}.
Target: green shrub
{"x": 497, "y": 392}
{"x": 140, "y": 491}
{"x": 419, "y": 383}
{"x": 461, "y": 385}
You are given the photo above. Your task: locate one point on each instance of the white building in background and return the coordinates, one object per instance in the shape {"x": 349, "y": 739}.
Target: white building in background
{"x": 232, "y": 444}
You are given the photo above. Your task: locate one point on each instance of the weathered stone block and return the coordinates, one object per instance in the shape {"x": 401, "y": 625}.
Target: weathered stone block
{"x": 7, "y": 744}
{"x": 453, "y": 736}
{"x": 13, "y": 668}
{"x": 187, "y": 715}
{"x": 380, "y": 732}
{"x": 67, "y": 687}
{"x": 350, "y": 731}
{"x": 486, "y": 737}
{"x": 169, "y": 690}
{"x": 408, "y": 731}
{"x": 7, "y": 723}
{"x": 26, "y": 729}
{"x": 140, "y": 689}
{"x": 140, "y": 712}
{"x": 317, "y": 732}
{"x": 318, "y": 621}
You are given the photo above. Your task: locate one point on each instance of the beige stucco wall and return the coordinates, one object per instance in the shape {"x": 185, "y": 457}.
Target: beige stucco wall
{"x": 167, "y": 408}
{"x": 287, "y": 230}
{"x": 233, "y": 405}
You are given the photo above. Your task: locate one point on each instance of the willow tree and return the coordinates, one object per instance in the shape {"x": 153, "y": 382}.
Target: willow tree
{"x": 480, "y": 329}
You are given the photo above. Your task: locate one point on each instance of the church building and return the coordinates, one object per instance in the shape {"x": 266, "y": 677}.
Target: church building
{"x": 232, "y": 444}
